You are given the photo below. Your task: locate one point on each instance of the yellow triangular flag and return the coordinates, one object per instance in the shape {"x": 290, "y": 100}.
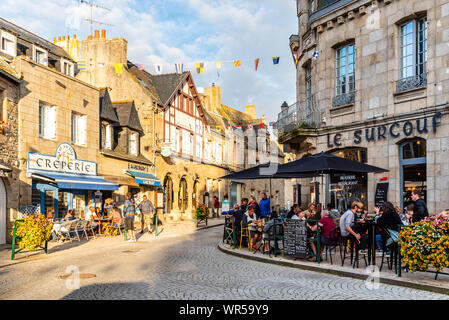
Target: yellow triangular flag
{"x": 218, "y": 128}
{"x": 237, "y": 63}
{"x": 118, "y": 68}
{"x": 218, "y": 64}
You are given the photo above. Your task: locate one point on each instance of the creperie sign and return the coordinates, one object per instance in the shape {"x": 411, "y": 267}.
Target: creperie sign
{"x": 64, "y": 162}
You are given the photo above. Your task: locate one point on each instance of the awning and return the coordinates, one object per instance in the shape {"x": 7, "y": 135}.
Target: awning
{"x": 145, "y": 178}
{"x": 70, "y": 181}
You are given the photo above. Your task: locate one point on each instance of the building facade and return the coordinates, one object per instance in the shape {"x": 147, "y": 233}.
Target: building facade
{"x": 376, "y": 73}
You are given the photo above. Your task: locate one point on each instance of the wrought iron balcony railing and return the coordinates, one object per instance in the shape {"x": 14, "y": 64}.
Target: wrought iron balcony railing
{"x": 297, "y": 116}
{"x": 412, "y": 82}
{"x": 343, "y": 99}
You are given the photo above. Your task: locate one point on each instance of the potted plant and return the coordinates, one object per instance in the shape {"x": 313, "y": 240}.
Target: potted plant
{"x": 33, "y": 231}
{"x": 3, "y": 127}
{"x": 426, "y": 243}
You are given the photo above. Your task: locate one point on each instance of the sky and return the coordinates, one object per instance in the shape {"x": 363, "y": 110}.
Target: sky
{"x": 187, "y": 31}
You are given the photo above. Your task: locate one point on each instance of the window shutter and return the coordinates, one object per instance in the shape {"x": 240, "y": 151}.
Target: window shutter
{"x": 41, "y": 119}
{"x": 73, "y": 129}
{"x": 52, "y": 132}
{"x": 82, "y": 130}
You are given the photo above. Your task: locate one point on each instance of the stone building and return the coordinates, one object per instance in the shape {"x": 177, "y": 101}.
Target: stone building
{"x": 373, "y": 86}
{"x": 57, "y": 132}
{"x": 9, "y": 172}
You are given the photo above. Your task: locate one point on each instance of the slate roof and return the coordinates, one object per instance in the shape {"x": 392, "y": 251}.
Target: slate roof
{"x": 127, "y": 115}
{"x": 166, "y": 84}
{"x": 107, "y": 111}
{"x": 31, "y": 37}
{"x": 145, "y": 79}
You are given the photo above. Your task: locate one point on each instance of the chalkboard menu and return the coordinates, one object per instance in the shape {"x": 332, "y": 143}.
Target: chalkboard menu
{"x": 295, "y": 238}
{"x": 381, "y": 194}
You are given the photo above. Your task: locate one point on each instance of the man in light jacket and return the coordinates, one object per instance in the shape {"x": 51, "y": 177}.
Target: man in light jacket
{"x": 147, "y": 210}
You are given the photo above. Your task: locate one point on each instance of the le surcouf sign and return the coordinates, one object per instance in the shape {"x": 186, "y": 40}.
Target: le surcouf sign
{"x": 394, "y": 130}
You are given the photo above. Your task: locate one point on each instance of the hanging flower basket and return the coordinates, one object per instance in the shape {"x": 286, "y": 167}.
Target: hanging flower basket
{"x": 426, "y": 243}
{"x": 3, "y": 126}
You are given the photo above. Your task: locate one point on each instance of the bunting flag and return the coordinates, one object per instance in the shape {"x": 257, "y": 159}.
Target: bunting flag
{"x": 315, "y": 55}
{"x": 275, "y": 60}
{"x": 296, "y": 58}
{"x": 261, "y": 126}
{"x": 237, "y": 63}
{"x": 218, "y": 63}
{"x": 239, "y": 127}
{"x": 158, "y": 68}
{"x": 118, "y": 68}
{"x": 179, "y": 67}
{"x": 256, "y": 63}
{"x": 271, "y": 123}
{"x": 250, "y": 126}
{"x": 101, "y": 64}
{"x": 218, "y": 128}
{"x": 140, "y": 66}
{"x": 81, "y": 65}
{"x": 199, "y": 67}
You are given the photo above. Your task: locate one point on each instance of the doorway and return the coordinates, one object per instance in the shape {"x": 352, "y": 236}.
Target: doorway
{"x": 2, "y": 212}
{"x": 413, "y": 169}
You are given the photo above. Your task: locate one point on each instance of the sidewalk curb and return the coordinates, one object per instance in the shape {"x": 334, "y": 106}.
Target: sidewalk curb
{"x": 208, "y": 227}
{"x": 341, "y": 273}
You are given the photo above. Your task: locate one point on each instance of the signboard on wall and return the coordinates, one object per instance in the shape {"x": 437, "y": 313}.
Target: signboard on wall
{"x": 380, "y": 197}
{"x": 64, "y": 161}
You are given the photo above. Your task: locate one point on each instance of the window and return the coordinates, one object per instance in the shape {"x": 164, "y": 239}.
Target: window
{"x": 8, "y": 44}
{"x": 67, "y": 68}
{"x": 199, "y": 146}
{"x": 133, "y": 143}
{"x": 106, "y": 136}
{"x": 40, "y": 56}
{"x": 78, "y": 129}
{"x": 47, "y": 121}
{"x": 344, "y": 75}
{"x": 412, "y": 54}
{"x": 308, "y": 83}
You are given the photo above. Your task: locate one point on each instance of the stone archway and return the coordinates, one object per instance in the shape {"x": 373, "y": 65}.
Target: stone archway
{"x": 168, "y": 194}
{"x": 183, "y": 195}
{"x": 3, "y": 220}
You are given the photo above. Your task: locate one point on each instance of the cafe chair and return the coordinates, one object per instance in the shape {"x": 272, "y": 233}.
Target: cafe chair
{"x": 392, "y": 248}
{"x": 349, "y": 242}
{"x": 276, "y": 236}
{"x": 229, "y": 232}
{"x": 89, "y": 228}
{"x": 71, "y": 230}
{"x": 329, "y": 245}
{"x": 244, "y": 233}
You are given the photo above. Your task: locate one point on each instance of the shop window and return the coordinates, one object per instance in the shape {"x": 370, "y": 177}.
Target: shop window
{"x": 347, "y": 188}
{"x": 413, "y": 169}
{"x": 47, "y": 121}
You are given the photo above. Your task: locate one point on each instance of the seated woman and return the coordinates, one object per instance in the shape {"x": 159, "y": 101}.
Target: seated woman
{"x": 312, "y": 227}
{"x": 293, "y": 211}
{"x": 389, "y": 220}
{"x": 116, "y": 216}
{"x": 248, "y": 219}
{"x": 91, "y": 215}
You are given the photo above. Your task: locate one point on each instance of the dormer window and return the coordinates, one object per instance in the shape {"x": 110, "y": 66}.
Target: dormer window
{"x": 40, "y": 56}
{"x": 8, "y": 43}
{"x": 67, "y": 67}
{"x": 133, "y": 143}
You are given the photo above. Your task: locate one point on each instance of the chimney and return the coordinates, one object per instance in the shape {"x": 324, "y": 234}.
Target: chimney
{"x": 97, "y": 34}
{"x": 74, "y": 36}
{"x": 103, "y": 34}
{"x": 63, "y": 38}
{"x": 59, "y": 38}
{"x": 89, "y": 37}
{"x": 214, "y": 95}
{"x": 250, "y": 110}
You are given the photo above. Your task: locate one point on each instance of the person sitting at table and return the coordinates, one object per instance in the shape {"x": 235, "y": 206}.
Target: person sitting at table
{"x": 249, "y": 219}
{"x": 327, "y": 237}
{"x": 445, "y": 213}
{"x": 310, "y": 210}
{"x": 347, "y": 226}
{"x": 91, "y": 215}
{"x": 406, "y": 217}
{"x": 268, "y": 231}
{"x": 253, "y": 202}
{"x": 293, "y": 211}
{"x": 312, "y": 225}
{"x": 70, "y": 215}
{"x": 333, "y": 213}
{"x": 389, "y": 220}
{"x": 318, "y": 210}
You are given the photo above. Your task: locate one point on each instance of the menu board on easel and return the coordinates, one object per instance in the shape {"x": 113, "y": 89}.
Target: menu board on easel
{"x": 380, "y": 197}
{"x": 295, "y": 238}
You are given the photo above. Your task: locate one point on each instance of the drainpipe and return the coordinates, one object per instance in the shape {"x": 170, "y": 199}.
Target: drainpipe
{"x": 154, "y": 138}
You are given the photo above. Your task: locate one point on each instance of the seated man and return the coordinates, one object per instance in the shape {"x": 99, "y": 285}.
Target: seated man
{"x": 90, "y": 215}
{"x": 347, "y": 224}
{"x": 248, "y": 219}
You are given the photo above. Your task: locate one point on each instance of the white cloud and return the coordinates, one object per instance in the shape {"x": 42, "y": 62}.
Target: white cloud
{"x": 189, "y": 31}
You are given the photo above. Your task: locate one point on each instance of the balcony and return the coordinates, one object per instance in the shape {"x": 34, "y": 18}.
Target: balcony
{"x": 410, "y": 83}
{"x": 343, "y": 99}
{"x": 297, "y": 116}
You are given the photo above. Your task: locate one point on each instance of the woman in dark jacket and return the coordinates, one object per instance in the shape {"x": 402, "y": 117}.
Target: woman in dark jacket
{"x": 292, "y": 211}
{"x": 389, "y": 218}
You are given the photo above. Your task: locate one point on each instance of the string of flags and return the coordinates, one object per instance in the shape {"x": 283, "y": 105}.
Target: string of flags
{"x": 199, "y": 66}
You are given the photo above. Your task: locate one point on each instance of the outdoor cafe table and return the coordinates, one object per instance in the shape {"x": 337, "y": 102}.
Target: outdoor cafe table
{"x": 370, "y": 224}
{"x": 101, "y": 222}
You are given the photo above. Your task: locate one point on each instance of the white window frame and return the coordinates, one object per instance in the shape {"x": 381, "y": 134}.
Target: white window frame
{"x": 45, "y": 52}
{"x": 11, "y": 38}
{"x": 340, "y": 87}
{"x": 404, "y": 66}
{"x": 133, "y": 143}
{"x": 79, "y": 129}
{"x": 66, "y": 63}
{"x": 47, "y": 121}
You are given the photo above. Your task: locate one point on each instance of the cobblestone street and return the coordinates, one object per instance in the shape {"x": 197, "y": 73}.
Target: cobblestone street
{"x": 181, "y": 267}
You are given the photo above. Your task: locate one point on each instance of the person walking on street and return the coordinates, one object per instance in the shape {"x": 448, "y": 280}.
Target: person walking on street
{"x": 129, "y": 211}
{"x": 420, "y": 208}
{"x": 265, "y": 206}
{"x": 147, "y": 212}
